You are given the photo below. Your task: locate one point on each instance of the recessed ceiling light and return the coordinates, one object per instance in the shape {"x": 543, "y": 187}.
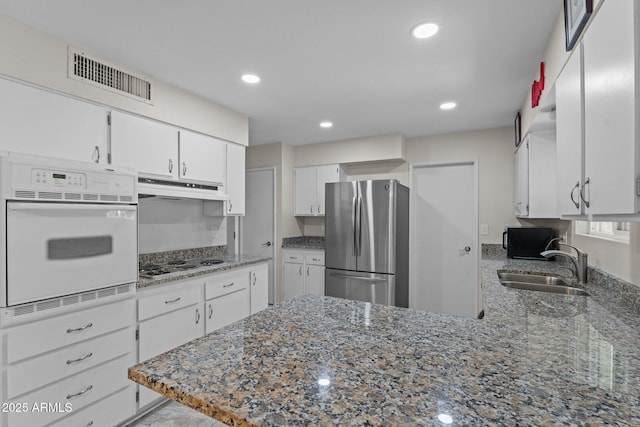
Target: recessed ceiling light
{"x": 326, "y": 124}
{"x": 447, "y": 105}
{"x": 250, "y": 78}
{"x": 424, "y": 30}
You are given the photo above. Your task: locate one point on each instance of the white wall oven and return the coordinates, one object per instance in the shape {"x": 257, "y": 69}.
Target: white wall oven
{"x": 68, "y": 227}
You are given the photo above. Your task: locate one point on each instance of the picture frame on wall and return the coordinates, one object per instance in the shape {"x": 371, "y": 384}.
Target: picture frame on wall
{"x": 517, "y": 129}
{"x": 576, "y": 15}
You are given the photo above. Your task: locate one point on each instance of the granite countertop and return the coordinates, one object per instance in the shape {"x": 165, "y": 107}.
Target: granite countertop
{"x": 230, "y": 262}
{"x": 535, "y": 359}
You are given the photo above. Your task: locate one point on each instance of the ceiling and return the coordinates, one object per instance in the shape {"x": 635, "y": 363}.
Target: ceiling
{"x": 352, "y": 62}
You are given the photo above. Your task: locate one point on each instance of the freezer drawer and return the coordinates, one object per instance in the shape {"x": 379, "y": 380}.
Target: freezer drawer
{"x": 369, "y": 287}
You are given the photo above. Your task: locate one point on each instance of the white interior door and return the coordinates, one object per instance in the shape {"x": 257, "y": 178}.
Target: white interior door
{"x": 444, "y": 248}
{"x": 258, "y": 224}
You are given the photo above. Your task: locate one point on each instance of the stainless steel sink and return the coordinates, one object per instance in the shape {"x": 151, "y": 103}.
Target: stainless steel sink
{"x": 539, "y": 282}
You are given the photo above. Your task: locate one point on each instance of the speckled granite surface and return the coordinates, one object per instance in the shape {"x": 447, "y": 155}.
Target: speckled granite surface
{"x": 536, "y": 359}
{"x": 303, "y": 242}
{"x": 230, "y": 262}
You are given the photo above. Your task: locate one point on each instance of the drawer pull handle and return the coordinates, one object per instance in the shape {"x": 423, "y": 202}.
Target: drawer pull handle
{"x": 90, "y": 423}
{"x": 229, "y": 285}
{"x": 315, "y": 259}
{"x": 80, "y": 393}
{"x": 85, "y": 357}
{"x": 210, "y": 311}
{"x": 171, "y": 301}
{"x": 197, "y": 316}
{"x": 82, "y": 328}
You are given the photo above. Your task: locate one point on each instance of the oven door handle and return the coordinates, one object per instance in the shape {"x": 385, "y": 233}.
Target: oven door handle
{"x": 30, "y": 206}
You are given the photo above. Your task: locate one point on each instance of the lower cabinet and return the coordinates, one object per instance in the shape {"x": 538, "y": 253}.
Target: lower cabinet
{"x": 175, "y": 313}
{"x": 68, "y": 366}
{"x": 303, "y": 272}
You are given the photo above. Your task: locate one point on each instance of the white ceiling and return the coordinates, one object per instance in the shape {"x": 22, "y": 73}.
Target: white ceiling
{"x": 352, "y": 62}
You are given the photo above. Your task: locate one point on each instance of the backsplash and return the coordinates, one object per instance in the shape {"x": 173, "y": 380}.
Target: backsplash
{"x": 308, "y": 242}
{"x": 166, "y": 256}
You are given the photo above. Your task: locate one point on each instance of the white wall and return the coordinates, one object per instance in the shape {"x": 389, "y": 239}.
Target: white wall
{"x": 165, "y": 225}
{"x": 33, "y": 56}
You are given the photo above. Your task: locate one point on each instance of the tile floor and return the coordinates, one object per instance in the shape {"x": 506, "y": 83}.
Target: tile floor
{"x": 174, "y": 414}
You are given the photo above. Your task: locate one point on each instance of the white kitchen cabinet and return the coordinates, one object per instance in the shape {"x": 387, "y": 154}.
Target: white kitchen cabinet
{"x": 148, "y": 146}
{"x": 228, "y": 298}
{"x": 569, "y": 136}
{"x": 168, "y": 316}
{"x": 70, "y": 355}
{"x": 259, "y": 278}
{"x": 235, "y": 182}
{"x": 535, "y": 179}
{"x": 36, "y": 121}
{"x": 303, "y": 272}
{"x": 309, "y": 187}
{"x": 611, "y": 148}
{"x": 597, "y": 118}
{"x": 202, "y": 158}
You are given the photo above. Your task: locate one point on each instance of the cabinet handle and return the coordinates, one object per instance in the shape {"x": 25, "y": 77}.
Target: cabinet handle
{"x": 586, "y": 182}
{"x": 85, "y": 357}
{"x": 311, "y": 208}
{"x": 229, "y": 285}
{"x": 80, "y": 393}
{"x": 254, "y": 278}
{"x": 90, "y": 423}
{"x": 197, "y": 316}
{"x": 318, "y": 208}
{"x": 82, "y": 328}
{"x": 307, "y": 271}
{"x": 300, "y": 271}
{"x": 290, "y": 257}
{"x": 210, "y": 311}
{"x": 184, "y": 168}
{"x": 170, "y": 166}
{"x": 572, "y": 191}
{"x": 96, "y": 154}
{"x": 230, "y": 206}
{"x": 171, "y": 301}
{"x": 315, "y": 259}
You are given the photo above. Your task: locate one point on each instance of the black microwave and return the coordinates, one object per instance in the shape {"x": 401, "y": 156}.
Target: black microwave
{"x": 526, "y": 242}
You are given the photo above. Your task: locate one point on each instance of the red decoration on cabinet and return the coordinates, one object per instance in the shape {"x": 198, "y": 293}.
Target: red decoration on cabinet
{"x": 537, "y": 87}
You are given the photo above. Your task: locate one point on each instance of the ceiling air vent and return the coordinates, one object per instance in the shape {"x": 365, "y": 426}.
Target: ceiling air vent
{"x": 99, "y": 73}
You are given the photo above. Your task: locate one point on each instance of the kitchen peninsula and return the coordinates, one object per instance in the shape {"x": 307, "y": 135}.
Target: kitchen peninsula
{"x": 535, "y": 359}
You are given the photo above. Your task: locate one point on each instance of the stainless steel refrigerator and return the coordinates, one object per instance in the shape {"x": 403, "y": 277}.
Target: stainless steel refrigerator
{"x": 367, "y": 241}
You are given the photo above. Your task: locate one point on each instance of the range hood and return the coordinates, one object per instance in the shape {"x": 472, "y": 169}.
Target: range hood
{"x": 171, "y": 189}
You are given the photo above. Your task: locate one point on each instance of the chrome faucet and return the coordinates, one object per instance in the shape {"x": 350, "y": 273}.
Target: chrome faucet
{"x": 579, "y": 261}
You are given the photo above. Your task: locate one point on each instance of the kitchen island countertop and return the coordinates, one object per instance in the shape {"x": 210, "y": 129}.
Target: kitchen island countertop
{"x": 535, "y": 359}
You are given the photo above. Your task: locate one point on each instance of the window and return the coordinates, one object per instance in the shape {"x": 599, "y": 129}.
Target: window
{"x": 616, "y": 231}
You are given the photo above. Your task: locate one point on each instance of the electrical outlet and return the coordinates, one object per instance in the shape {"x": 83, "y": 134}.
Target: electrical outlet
{"x": 484, "y": 229}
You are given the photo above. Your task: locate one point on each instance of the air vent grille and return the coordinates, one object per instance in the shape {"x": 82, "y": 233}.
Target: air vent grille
{"x": 89, "y": 197}
{"x": 108, "y": 198}
{"x": 73, "y": 196}
{"x": 50, "y": 195}
{"x": 92, "y": 70}
{"x": 24, "y": 194}
{"x": 126, "y": 199}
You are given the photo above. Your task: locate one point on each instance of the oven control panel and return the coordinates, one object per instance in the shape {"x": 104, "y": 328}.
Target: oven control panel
{"x": 51, "y": 178}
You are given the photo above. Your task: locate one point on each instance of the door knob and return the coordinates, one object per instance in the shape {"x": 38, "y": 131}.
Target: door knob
{"x": 267, "y": 244}
{"x": 466, "y": 249}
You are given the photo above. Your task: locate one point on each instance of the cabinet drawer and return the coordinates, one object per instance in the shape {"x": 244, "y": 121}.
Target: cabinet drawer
{"x": 226, "y": 283}
{"x": 107, "y": 412}
{"x": 45, "y": 369}
{"x": 314, "y": 258}
{"x": 169, "y": 300}
{"x": 165, "y": 332}
{"x": 224, "y": 310}
{"x": 293, "y": 256}
{"x": 50, "y": 334}
{"x": 79, "y": 391}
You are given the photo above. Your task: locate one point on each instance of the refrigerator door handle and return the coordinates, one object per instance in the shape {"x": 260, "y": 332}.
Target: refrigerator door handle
{"x": 366, "y": 279}
{"x": 354, "y": 215}
{"x": 359, "y": 226}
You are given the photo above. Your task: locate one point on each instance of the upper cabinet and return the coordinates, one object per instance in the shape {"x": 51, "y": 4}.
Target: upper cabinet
{"x": 202, "y": 158}
{"x": 36, "y": 121}
{"x": 148, "y": 146}
{"x": 535, "y": 179}
{"x": 235, "y": 183}
{"x": 309, "y": 185}
{"x": 597, "y": 117}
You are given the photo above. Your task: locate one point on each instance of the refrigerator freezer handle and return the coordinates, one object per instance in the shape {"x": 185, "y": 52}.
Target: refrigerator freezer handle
{"x": 354, "y": 215}
{"x": 358, "y": 228}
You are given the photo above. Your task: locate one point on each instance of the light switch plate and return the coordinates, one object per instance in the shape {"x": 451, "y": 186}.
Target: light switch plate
{"x": 484, "y": 229}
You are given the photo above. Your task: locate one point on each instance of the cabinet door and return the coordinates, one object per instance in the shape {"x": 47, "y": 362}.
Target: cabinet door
{"x": 522, "y": 179}
{"x": 305, "y": 202}
{"x": 259, "y": 288}
{"x": 202, "y": 158}
{"x": 292, "y": 279}
{"x": 543, "y": 201}
{"x": 35, "y": 121}
{"x": 149, "y": 147}
{"x": 235, "y": 183}
{"x": 324, "y": 175}
{"x": 314, "y": 280}
{"x": 229, "y": 308}
{"x": 610, "y": 55}
{"x": 569, "y": 135}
